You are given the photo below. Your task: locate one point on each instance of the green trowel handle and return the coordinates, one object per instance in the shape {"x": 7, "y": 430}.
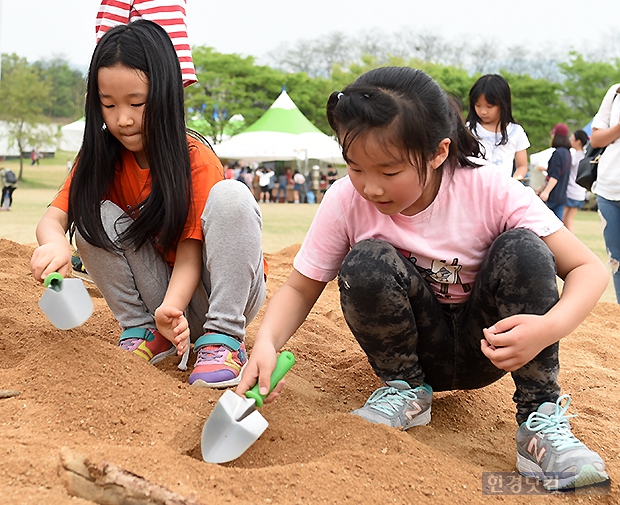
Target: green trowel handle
{"x": 285, "y": 361}
{"x": 53, "y": 280}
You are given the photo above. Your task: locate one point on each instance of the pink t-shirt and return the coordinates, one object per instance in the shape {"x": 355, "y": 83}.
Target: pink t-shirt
{"x": 447, "y": 241}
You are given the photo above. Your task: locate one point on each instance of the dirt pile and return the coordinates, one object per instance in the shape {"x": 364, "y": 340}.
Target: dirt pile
{"x": 78, "y": 390}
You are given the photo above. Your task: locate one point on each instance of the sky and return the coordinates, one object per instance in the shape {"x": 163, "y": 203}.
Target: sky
{"x": 42, "y": 29}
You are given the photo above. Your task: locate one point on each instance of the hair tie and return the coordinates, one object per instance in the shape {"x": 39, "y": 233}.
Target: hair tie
{"x": 339, "y": 95}
{"x": 366, "y": 95}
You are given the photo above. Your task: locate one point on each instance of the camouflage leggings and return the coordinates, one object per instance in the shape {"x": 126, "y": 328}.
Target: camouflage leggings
{"x": 407, "y": 334}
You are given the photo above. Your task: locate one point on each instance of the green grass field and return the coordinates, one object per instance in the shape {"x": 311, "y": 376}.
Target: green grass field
{"x": 283, "y": 224}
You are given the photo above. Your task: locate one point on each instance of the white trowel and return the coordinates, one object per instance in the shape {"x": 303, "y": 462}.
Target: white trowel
{"x": 235, "y": 424}
{"x": 65, "y": 302}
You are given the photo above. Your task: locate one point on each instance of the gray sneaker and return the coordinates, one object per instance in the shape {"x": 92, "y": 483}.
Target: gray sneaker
{"x": 398, "y": 405}
{"x": 548, "y": 451}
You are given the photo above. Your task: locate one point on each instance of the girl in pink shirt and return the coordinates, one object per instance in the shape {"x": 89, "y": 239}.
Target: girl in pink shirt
{"x": 447, "y": 272}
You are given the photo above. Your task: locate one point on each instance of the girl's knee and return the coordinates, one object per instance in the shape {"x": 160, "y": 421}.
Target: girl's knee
{"x": 368, "y": 254}
{"x": 522, "y": 247}
{"x": 230, "y": 197}
{"x": 369, "y": 262}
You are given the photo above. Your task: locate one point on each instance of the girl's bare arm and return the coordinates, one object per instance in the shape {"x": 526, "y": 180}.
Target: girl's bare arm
{"x": 287, "y": 310}
{"x": 186, "y": 273}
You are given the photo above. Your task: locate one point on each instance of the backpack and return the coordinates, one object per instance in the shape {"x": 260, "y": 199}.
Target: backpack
{"x": 10, "y": 177}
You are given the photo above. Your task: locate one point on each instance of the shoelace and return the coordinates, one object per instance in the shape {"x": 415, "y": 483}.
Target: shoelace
{"x": 555, "y": 427}
{"x": 389, "y": 399}
{"x": 210, "y": 354}
{"x": 128, "y": 343}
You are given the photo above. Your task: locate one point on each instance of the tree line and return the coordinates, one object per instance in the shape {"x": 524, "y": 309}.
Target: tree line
{"x": 230, "y": 84}
{"x": 546, "y": 89}
{"x": 36, "y": 94}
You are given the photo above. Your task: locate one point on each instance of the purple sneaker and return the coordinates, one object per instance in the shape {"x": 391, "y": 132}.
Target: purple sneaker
{"x": 220, "y": 361}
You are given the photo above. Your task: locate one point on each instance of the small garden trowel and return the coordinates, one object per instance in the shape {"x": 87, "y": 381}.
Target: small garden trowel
{"x": 235, "y": 424}
{"x": 65, "y": 302}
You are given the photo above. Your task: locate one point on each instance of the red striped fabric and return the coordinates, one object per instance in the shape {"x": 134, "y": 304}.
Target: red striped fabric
{"x": 169, "y": 14}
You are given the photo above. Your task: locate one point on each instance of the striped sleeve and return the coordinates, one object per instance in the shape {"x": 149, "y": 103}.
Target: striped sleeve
{"x": 169, "y": 14}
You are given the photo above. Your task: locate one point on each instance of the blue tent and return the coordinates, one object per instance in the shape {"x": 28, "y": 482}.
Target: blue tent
{"x": 588, "y": 128}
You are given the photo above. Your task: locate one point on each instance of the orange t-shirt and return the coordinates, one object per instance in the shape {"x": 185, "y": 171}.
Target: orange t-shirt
{"x": 132, "y": 184}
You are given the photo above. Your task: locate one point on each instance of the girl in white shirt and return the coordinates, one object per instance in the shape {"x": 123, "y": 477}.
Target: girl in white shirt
{"x": 490, "y": 119}
{"x": 575, "y": 194}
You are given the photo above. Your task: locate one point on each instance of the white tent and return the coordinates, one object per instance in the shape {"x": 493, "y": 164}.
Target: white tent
{"x": 8, "y": 147}
{"x": 283, "y": 133}
{"x": 71, "y": 136}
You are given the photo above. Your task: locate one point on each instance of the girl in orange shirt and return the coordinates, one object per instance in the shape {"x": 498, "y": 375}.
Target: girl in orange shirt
{"x": 156, "y": 225}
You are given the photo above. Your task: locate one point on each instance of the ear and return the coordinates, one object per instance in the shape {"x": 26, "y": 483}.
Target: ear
{"x": 443, "y": 149}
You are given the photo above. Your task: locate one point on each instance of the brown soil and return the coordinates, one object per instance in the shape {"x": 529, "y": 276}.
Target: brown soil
{"x": 78, "y": 390}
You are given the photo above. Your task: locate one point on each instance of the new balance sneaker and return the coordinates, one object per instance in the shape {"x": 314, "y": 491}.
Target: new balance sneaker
{"x": 220, "y": 361}
{"x": 149, "y": 344}
{"x": 548, "y": 451}
{"x": 398, "y": 405}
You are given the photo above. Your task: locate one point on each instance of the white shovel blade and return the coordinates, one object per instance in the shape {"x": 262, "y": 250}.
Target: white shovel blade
{"x": 224, "y": 437}
{"x": 68, "y": 308}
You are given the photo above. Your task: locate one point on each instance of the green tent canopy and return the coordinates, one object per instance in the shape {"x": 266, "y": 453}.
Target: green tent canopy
{"x": 283, "y": 133}
{"x": 283, "y": 116}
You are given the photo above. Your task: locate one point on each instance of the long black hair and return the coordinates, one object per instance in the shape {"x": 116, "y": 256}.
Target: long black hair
{"x": 405, "y": 108}
{"x": 144, "y": 46}
{"x": 496, "y": 91}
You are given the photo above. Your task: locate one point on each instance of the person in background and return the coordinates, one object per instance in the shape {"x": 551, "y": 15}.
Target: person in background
{"x": 299, "y": 187}
{"x": 490, "y": 120}
{"x": 272, "y": 186}
{"x": 248, "y": 177}
{"x": 553, "y": 193}
{"x": 264, "y": 181}
{"x": 575, "y": 194}
{"x": 152, "y": 215}
{"x": 9, "y": 184}
{"x": 332, "y": 176}
{"x": 605, "y": 133}
{"x": 446, "y": 270}
{"x": 229, "y": 172}
{"x": 284, "y": 179}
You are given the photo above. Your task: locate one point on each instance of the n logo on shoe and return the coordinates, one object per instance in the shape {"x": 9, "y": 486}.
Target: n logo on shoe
{"x": 414, "y": 411}
{"x": 532, "y": 448}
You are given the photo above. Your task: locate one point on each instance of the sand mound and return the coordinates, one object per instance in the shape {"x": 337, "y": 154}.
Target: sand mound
{"x": 78, "y": 390}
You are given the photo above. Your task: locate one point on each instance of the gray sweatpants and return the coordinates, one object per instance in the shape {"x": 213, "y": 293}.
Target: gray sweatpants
{"x": 232, "y": 290}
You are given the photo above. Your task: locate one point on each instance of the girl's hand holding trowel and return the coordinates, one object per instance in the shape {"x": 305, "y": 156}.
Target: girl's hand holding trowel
{"x": 287, "y": 309}
{"x": 51, "y": 257}
{"x": 54, "y": 253}
{"x": 259, "y": 369}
